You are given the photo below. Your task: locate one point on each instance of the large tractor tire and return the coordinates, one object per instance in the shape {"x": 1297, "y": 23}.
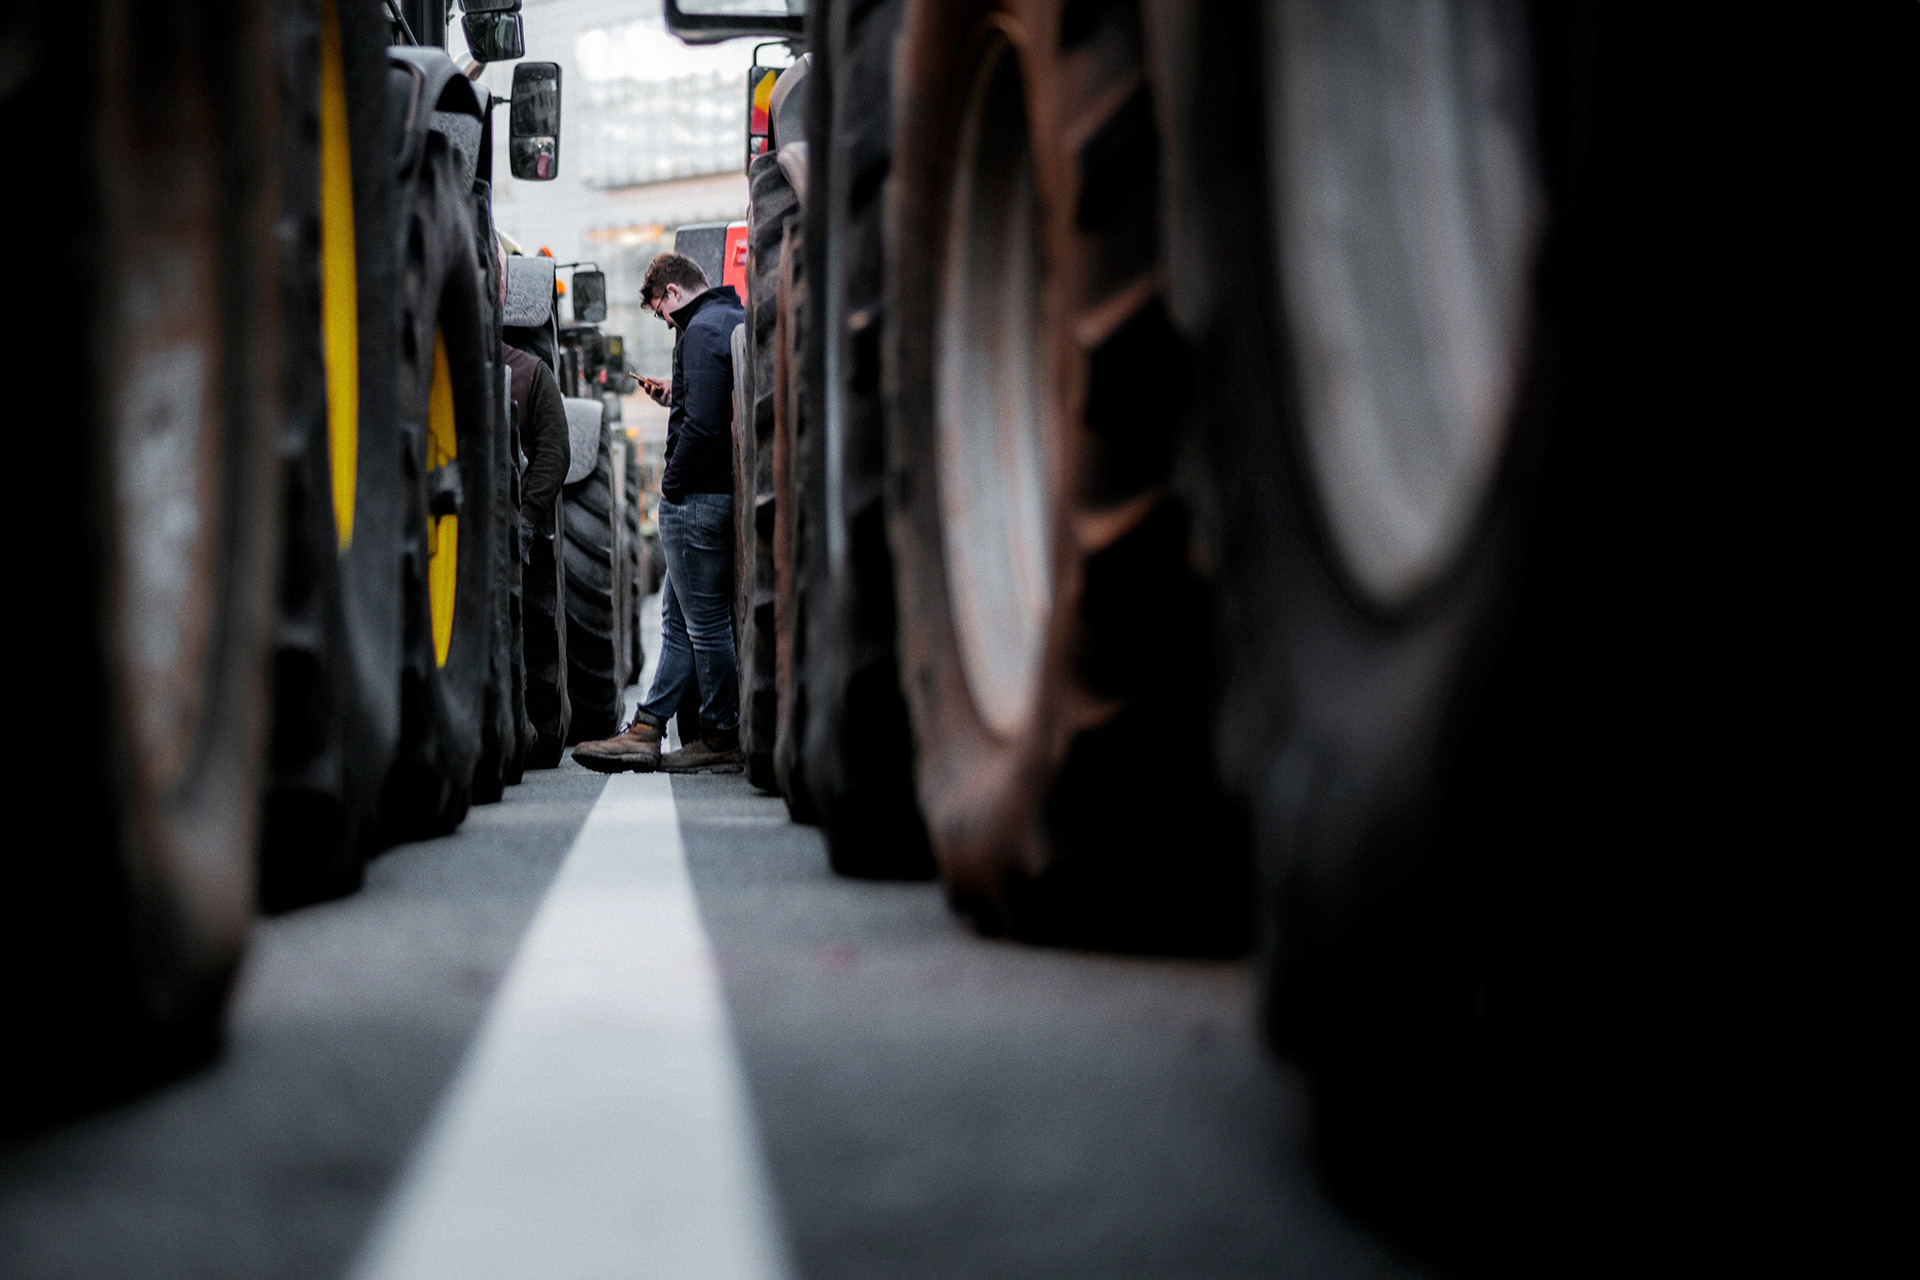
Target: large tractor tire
{"x": 502, "y": 739}
{"x": 1361, "y": 267}
{"x": 524, "y": 734}
{"x": 654, "y": 563}
{"x": 596, "y": 633}
{"x": 626, "y": 602}
{"x": 1053, "y": 637}
{"x": 795, "y": 528}
{"x": 856, "y": 740}
{"x": 543, "y": 570}
{"x": 133, "y": 876}
{"x": 1357, "y": 460}
{"x": 1529, "y": 832}
{"x": 447, "y": 399}
{"x": 638, "y": 555}
{"x": 337, "y": 649}
{"x": 631, "y": 502}
{"x": 772, "y": 204}
{"x": 544, "y": 603}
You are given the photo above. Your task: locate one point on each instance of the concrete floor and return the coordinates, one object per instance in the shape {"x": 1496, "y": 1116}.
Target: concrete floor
{"x": 930, "y": 1103}
{"x": 934, "y": 1103}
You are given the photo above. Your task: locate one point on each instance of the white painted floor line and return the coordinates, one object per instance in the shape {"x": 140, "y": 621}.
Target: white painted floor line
{"x": 600, "y": 1126}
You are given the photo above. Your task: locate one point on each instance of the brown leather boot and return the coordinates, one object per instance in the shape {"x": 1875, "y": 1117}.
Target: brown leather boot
{"x": 635, "y": 748}
{"x": 714, "y": 753}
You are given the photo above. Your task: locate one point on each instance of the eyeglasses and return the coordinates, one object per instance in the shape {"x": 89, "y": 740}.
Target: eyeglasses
{"x": 658, "y": 304}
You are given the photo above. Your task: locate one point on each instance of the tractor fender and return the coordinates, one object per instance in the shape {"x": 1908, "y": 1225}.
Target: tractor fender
{"x": 787, "y": 107}
{"x": 584, "y": 423}
{"x": 429, "y": 95}
{"x": 792, "y": 159}
{"x": 529, "y": 293}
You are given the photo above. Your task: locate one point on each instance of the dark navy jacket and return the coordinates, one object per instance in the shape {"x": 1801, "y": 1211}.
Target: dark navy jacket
{"x": 700, "y": 420}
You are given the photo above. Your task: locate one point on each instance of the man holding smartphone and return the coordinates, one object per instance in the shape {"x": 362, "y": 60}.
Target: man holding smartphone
{"x": 696, "y": 533}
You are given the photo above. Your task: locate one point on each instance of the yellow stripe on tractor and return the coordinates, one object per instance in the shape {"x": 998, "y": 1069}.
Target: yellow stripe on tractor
{"x": 339, "y": 287}
{"x": 443, "y": 532}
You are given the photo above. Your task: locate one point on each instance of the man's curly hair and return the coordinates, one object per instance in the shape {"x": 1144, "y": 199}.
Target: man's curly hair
{"x": 671, "y": 268}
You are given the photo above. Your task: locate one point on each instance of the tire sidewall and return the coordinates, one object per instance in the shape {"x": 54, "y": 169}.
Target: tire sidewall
{"x": 981, "y": 793}
{"x": 443, "y": 283}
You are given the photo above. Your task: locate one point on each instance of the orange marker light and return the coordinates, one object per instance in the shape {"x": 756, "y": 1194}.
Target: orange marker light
{"x": 762, "y": 102}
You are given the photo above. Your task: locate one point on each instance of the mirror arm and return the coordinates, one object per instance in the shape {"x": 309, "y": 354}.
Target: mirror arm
{"x": 393, "y": 8}
{"x": 791, "y": 45}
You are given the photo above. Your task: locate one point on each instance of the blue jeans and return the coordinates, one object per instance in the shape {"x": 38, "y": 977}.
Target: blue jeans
{"x": 696, "y": 611}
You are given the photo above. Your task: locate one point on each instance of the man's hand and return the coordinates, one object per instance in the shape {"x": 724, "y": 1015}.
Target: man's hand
{"x": 657, "y": 389}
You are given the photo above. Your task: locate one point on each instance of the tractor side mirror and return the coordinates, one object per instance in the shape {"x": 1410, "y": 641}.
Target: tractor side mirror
{"x": 491, "y": 6}
{"x": 494, "y": 37}
{"x": 533, "y": 122}
{"x": 590, "y": 296}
